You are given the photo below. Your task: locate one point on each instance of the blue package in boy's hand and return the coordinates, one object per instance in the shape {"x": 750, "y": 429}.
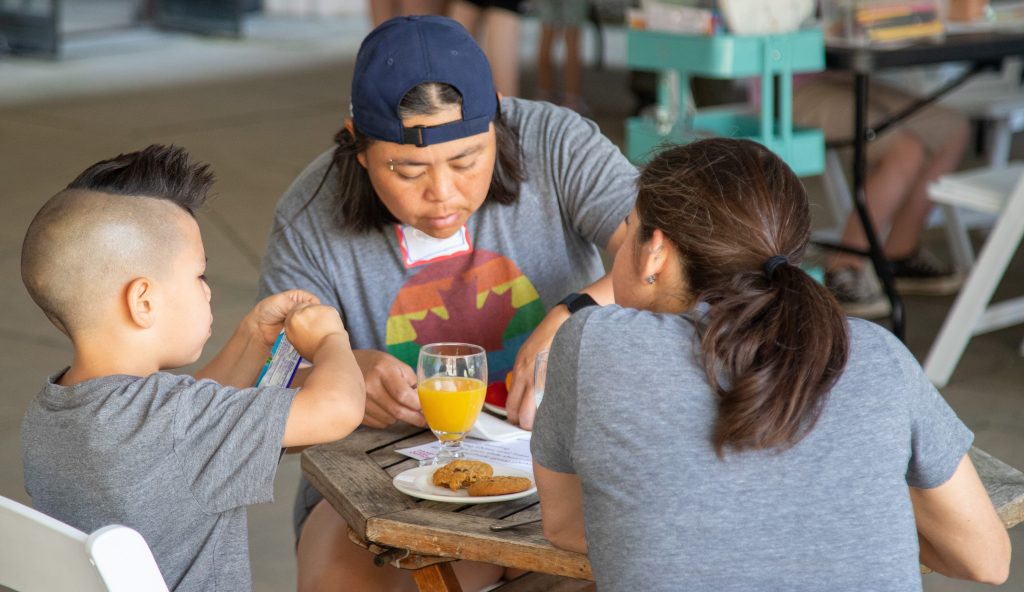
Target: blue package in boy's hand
{"x": 284, "y": 360}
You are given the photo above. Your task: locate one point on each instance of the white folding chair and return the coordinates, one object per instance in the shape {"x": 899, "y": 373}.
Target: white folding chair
{"x": 41, "y": 554}
{"x": 997, "y": 100}
{"x": 998, "y": 191}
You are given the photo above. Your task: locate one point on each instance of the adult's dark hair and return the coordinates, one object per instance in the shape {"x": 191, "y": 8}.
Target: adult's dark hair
{"x": 774, "y": 343}
{"x": 356, "y": 205}
{"x": 164, "y": 172}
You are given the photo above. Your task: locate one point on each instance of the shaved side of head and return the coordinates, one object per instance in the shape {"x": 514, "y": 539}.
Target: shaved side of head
{"x": 121, "y": 219}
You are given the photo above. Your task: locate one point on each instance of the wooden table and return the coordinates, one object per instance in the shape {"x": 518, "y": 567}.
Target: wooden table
{"x": 354, "y": 475}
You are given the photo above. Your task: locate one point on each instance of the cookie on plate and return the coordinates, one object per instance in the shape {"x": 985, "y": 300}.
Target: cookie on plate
{"x": 499, "y": 485}
{"x": 461, "y": 473}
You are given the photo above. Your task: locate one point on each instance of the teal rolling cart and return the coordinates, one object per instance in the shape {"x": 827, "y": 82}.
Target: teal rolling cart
{"x": 676, "y": 57}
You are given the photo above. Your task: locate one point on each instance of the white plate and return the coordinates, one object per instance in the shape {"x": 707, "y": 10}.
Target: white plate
{"x": 495, "y": 409}
{"x": 418, "y": 482}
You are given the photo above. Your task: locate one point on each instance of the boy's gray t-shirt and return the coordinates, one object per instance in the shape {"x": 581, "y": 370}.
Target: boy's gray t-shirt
{"x": 627, "y": 409}
{"x": 175, "y": 458}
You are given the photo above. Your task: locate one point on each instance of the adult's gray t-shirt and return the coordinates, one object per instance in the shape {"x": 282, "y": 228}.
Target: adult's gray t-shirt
{"x": 525, "y": 256}
{"x": 175, "y": 458}
{"x": 627, "y": 409}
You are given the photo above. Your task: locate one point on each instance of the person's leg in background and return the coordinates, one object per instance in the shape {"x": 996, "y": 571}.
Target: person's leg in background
{"x": 573, "y": 16}
{"x": 501, "y": 44}
{"x": 545, "y": 52}
{"x": 944, "y": 135}
{"x": 495, "y": 24}
{"x": 467, "y": 14}
{"x": 382, "y": 10}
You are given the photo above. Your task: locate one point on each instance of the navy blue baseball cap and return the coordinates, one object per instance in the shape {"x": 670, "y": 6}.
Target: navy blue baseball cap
{"x": 408, "y": 51}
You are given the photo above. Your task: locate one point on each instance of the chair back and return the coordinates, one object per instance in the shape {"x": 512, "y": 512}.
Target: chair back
{"x": 41, "y": 554}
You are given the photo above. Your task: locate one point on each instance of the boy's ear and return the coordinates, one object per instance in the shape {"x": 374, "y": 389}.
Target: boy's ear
{"x": 141, "y": 302}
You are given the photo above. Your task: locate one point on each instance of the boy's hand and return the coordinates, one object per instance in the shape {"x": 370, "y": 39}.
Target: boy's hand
{"x": 308, "y": 324}
{"x": 269, "y": 314}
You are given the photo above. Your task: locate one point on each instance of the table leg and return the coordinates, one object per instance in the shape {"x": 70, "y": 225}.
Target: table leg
{"x": 882, "y": 269}
{"x": 439, "y": 577}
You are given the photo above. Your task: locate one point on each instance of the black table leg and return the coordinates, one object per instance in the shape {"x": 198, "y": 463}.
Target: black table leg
{"x": 878, "y": 259}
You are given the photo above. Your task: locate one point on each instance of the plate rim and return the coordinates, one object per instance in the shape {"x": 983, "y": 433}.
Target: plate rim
{"x": 480, "y": 499}
{"x": 502, "y": 411}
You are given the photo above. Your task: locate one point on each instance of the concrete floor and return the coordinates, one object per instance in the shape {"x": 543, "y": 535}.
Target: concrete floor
{"x": 258, "y": 110}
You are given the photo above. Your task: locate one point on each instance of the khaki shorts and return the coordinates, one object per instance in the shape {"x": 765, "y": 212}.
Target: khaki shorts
{"x": 826, "y": 102}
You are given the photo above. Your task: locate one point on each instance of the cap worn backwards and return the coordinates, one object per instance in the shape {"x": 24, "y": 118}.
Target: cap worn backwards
{"x": 405, "y": 52}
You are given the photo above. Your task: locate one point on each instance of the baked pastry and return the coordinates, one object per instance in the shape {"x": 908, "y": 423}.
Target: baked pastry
{"x": 499, "y": 485}
{"x": 461, "y": 473}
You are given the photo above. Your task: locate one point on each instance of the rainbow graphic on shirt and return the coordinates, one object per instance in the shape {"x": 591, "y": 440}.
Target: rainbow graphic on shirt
{"x": 480, "y": 297}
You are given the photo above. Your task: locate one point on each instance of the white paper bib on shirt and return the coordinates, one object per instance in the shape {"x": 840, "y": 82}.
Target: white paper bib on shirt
{"x": 419, "y": 248}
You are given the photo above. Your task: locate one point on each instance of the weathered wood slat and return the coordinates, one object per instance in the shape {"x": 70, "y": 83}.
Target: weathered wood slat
{"x": 501, "y": 510}
{"x": 1005, "y": 486}
{"x": 351, "y": 482}
{"x": 469, "y": 537}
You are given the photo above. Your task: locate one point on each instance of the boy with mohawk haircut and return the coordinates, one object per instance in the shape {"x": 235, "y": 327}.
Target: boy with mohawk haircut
{"x": 116, "y": 262}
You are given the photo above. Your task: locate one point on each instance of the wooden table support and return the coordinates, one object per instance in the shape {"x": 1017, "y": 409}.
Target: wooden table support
{"x": 437, "y": 578}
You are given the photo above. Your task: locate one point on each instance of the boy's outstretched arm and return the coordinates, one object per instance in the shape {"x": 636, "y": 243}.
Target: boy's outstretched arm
{"x": 240, "y": 361}
{"x": 332, "y": 400}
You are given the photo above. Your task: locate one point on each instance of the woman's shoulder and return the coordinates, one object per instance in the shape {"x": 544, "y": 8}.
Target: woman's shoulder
{"x": 538, "y": 118}
{"x": 615, "y": 327}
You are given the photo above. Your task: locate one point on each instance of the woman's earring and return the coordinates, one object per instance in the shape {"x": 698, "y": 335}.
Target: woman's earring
{"x": 391, "y": 166}
{"x": 650, "y": 279}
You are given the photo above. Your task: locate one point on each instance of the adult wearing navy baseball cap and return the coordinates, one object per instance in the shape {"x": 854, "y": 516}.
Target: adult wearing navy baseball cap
{"x": 444, "y": 212}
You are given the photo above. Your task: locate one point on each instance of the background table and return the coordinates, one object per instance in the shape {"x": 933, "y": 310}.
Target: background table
{"x": 982, "y": 50}
{"x": 355, "y": 474}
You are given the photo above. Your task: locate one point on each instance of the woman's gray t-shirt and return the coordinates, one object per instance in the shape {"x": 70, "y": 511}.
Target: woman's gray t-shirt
{"x": 627, "y": 409}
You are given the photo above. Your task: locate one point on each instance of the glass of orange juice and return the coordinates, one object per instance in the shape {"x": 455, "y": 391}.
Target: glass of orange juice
{"x": 452, "y": 382}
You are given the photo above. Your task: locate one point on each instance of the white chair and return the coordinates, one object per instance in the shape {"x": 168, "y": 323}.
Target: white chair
{"x": 41, "y": 554}
{"x": 998, "y": 191}
{"x": 997, "y": 100}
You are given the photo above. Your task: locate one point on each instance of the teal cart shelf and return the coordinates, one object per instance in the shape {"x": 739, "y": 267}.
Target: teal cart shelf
{"x": 770, "y": 57}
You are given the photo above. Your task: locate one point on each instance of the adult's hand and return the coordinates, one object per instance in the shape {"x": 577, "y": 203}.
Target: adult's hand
{"x": 390, "y": 390}
{"x": 520, "y": 405}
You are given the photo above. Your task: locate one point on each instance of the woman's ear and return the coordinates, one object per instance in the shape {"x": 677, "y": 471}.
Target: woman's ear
{"x": 654, "y": 255}
{"x": 139, "y": 297}
{"x": 351, "y": 127}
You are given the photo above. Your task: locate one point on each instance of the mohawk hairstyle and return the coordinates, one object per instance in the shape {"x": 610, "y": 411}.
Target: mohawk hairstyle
{"x": 163, "y": 172}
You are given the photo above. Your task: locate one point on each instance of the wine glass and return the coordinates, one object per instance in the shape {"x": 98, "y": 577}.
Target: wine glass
{"x": 540, "y": 373}
{"x": 452, "y": 382}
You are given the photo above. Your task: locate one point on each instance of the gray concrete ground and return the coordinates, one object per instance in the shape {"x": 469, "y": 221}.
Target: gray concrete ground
{"x": 258, "y": 110}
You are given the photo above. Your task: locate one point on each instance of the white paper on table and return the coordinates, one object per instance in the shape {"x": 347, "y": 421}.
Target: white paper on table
{"x": 488, "y": 427}
{"x": 512, "y": 453}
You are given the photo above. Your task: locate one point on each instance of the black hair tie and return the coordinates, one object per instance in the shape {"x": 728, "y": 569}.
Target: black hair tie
{"x": 773, "y": 264}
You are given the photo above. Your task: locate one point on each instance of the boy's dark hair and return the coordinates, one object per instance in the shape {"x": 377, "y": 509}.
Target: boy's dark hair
{"x": 164, "y": 172}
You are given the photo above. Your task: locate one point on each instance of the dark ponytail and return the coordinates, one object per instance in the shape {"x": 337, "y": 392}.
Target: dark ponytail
{"x": 774, "y": 341}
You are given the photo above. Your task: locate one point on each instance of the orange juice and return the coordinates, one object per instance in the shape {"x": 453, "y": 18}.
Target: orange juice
{"x": 451, "y": 404}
